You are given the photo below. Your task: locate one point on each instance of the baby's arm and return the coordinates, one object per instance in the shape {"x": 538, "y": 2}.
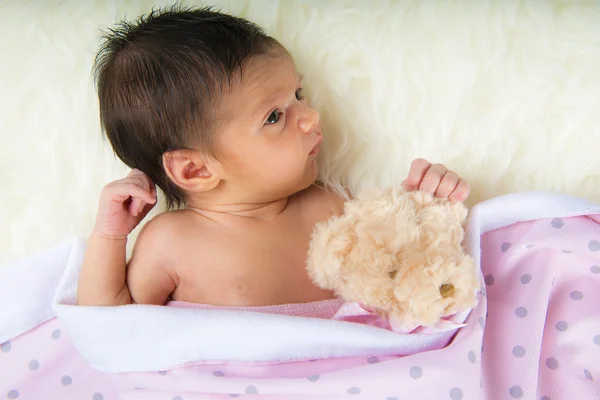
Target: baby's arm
{"x": 102, "y": 276}
{"x": 123, "y": 204}
{"x": 150, "y": 276}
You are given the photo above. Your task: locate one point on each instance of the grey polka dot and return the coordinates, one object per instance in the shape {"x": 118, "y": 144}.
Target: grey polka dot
{"x": 588, "y": 374}
{"x": 66, "y": 380}
{"x": 234, "y": 395}
{"x": 530, "y": 246}
{"x": 456, "y": 393}
{"x": 416, "y": 372}
{"x": 354, "y": 390}
{"x": 163, "y": 373}
{"x": 552, "y": 363}
{"x": 594, "y": 269}
{"x": 518, "y": 351}
{"x": 576, "y": 295}
{"x": 505, "y": 246}
{"x": 594, "y": 245}
{"x": 561, "y": 326}
{"x": 566, "y": 251}
{"x": 34, "y": 365}
{"x": 557, "y": 223}
{"x": 313, "y": 378}
{"x": 597, "y": 339}
{"x": 373, "y": 360}
{"x": 251, "y": 390}
{"x": 521, "y": 312}
{"x": 5, "y": 347}
{"x": 56, "y": 334}
{"x": 218, "y": 373}
{"x": 472, "y": 357}
{"x": 545, "y": 398}
{"x": 97, "y": 396}
{"x": 392, "y": 398}
{"x": 516, "y": 392}
{"x": 177, "y": 398}
{"x": 489, "y": 279}
{"x": 481, "y": 322}
{"x": 139, "y": 388}
{"x": 525, "y": 279}
{"x": 13, "y": 394}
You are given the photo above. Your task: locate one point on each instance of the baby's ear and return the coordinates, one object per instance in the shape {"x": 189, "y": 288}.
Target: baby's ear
{"x": 192, "y": 172}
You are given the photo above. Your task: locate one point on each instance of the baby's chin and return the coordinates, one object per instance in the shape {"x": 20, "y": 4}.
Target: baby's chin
{"x": 298, "y": 184}
{"x": 301, "y": 186}
{"x": 309, "y": 182}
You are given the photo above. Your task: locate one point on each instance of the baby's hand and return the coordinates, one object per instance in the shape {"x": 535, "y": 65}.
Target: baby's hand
{"x": 437, "y": 180}
{"x": 123, "y": 204}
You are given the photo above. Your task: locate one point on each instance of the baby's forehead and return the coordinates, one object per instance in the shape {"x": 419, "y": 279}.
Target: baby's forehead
{"x": 267, "y": 71}
{"x": 262, "y": 79}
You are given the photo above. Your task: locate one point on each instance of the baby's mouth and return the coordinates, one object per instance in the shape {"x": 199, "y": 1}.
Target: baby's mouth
{"x": 317, "y": 148}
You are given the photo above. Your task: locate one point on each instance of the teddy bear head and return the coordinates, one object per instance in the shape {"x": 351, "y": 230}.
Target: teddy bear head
{"x": 398, "y": 253}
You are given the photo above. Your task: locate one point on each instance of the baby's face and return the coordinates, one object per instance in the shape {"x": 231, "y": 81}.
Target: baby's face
{"x": 269, "y": 138}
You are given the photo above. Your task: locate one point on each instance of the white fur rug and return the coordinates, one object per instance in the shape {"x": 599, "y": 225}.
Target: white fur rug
{"x": 505, "y": 92}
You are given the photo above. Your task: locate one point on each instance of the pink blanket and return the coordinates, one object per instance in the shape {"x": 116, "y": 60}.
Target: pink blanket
{"x": 535, "y": 333}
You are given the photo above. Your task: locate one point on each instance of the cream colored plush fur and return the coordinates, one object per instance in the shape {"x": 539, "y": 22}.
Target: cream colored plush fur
{"x": 504, "y": 92}
{"x": 398, "y": 253}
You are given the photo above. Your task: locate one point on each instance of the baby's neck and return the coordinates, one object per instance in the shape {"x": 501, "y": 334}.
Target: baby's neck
{"x": 266, "y": 210}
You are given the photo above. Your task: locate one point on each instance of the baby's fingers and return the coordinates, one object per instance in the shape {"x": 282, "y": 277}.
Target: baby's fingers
{"x": 433, "y": 178}
{"x": 135, "y": 172}
{"x": 141, "y": 207}
{"x": 461, "y": 193}
{"x": 418, "y": 169}
{"x": 122, "y": 191}
{"x": 153, "y": 190}
{"x": 447, "y": 185}
{"x": 135, "y": 206}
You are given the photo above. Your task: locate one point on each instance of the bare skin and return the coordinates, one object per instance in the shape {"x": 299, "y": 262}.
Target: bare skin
{"x": 242, "y": 240}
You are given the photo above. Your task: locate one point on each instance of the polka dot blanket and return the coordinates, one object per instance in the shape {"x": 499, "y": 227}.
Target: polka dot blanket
{"x": 535, "y": 333}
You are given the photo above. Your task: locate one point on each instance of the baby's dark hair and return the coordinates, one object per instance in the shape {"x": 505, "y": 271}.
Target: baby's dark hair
{"x": 159, "y": 81}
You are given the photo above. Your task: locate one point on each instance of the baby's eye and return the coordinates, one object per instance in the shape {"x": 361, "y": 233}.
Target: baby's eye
{"x": 273, "y": 117}
{"x": 299, "y": 94}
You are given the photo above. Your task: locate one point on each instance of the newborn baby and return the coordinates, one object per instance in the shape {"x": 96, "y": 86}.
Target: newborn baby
{"x": 210, "y": 109}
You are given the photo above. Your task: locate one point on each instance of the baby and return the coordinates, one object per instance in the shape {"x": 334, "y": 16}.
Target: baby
{"x": 211, "y": 110}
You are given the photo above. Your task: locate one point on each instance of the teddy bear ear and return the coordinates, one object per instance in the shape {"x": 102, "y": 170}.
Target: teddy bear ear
{"x": 330, "y": 244}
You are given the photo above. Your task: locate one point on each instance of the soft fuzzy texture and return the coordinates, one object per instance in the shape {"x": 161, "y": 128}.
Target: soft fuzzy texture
{"x": 504, "y": 92}
{"x": 399, "y": 254}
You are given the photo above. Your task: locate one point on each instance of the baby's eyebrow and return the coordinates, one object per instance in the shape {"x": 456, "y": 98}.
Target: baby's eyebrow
{"x": 266, "y": 102}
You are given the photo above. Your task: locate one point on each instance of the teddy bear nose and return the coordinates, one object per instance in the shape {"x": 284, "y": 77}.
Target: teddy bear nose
{"x": 447, "y": 290}
{"x": 393, "y": 274}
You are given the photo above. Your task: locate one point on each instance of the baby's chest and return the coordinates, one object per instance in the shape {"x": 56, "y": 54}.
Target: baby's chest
{"x": 276, "y": 277}
{"x": 251, "y": 270}
{"x": 279, "y": 256}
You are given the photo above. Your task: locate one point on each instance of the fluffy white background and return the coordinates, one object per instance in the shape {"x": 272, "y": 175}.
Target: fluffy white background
{"x": 505, "y": 92}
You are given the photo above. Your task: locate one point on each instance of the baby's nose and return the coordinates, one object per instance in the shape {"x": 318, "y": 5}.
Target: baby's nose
{"x": 309, "y": 118}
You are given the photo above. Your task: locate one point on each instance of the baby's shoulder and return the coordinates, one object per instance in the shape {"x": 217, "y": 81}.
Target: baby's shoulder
{"x": 163, "y": 225}
{"x": 165, "y": 232}
{"x": 323, "y": 200}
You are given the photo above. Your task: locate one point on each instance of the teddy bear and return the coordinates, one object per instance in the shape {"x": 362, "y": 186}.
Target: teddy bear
{"x": 399, "y": 254}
